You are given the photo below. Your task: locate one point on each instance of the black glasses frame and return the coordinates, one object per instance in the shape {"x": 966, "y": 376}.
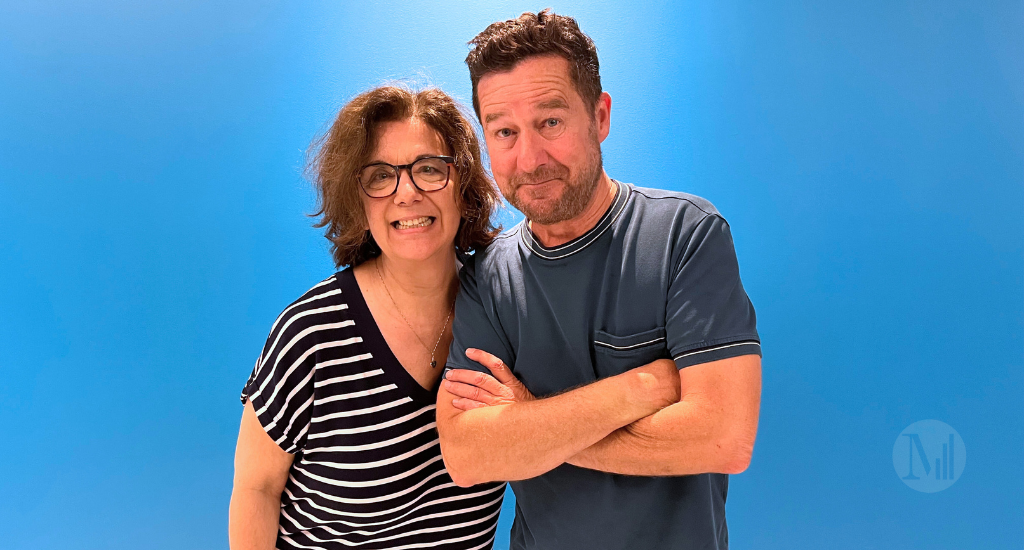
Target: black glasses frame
{"x": 449, "y": 161}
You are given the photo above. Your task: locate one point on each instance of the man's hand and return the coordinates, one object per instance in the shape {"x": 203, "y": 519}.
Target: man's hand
{"x": 474, "y": 389}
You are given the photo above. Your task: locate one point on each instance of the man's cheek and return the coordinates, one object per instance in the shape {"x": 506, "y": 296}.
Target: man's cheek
{"x": 501, "y": 179}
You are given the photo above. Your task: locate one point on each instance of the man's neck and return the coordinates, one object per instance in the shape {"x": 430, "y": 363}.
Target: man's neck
{"x": 562, "y": 232}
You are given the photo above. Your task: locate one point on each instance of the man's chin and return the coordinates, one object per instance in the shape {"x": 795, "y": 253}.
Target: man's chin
{"x": 536, "y": 210}
{"x": 547, "y": 214}
{"x": 550, "y": 202}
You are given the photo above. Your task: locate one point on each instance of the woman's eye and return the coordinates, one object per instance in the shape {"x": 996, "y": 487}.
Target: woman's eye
{"x": 379, "y": 177}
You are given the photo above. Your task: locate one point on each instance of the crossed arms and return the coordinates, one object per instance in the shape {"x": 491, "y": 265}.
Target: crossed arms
{"x": 654, "y": 420}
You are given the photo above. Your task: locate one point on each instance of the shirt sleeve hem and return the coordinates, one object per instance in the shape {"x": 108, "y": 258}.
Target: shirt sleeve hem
{"x": 258, "y": 403}
{"x": 716, "y": 352}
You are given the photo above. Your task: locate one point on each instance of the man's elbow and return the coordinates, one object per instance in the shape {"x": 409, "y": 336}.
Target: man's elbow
{"x": 736, "y": 454}
{"x": 460, "y": 478}
{"x": 458, "y": 462}
{"x": 455, "y": 468}
{"x": 737, "y": 463}
{"x": 462, "y": 472}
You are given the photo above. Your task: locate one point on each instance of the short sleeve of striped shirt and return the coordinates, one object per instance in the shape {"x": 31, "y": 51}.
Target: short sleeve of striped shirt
{"x": 280, "y": 386}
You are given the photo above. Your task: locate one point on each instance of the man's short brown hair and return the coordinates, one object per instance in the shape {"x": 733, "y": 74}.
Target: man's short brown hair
{"x": 339, "y": 154}
{"x": 502, "y": 45}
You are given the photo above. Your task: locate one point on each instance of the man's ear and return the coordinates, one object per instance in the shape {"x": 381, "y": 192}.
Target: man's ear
{"x": 602, "y": 115}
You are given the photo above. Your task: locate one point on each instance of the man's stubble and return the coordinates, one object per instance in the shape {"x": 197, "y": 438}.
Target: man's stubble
{"x": 576, "y": 193}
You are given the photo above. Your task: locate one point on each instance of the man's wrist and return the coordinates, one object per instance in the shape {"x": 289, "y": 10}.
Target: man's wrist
{"x": 652, "y": 387}
{"x": 635, "y": 396}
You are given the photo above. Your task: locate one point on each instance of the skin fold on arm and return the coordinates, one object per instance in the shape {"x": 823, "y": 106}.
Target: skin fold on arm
{"x": 518, "y": 437}
{"x": 711, "y": 428}
{"x": 261, "y": 471}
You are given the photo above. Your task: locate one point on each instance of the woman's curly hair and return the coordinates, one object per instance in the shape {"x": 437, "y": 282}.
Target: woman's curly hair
{"x": 337, "y": 156}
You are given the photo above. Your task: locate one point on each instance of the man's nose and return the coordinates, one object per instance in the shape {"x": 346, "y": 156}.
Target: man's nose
{"x": 407, "y": 192}
{"x": 531, "y": 154}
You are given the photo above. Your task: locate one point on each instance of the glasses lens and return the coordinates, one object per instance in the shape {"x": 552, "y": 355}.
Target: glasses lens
{"x": 378, "y": 179}
{"x": 430, "y": 174}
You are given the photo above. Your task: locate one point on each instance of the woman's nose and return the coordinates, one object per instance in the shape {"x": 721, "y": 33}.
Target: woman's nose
{"x": 407, "y": 191}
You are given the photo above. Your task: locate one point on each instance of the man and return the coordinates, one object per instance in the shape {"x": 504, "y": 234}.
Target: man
{"x": 625, "y": 360}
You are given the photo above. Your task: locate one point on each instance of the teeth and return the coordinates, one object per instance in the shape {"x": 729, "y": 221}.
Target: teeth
{"x": 418, "y": 222}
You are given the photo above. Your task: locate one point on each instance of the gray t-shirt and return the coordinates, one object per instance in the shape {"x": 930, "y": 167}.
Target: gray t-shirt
{"x": 656, "y": 277}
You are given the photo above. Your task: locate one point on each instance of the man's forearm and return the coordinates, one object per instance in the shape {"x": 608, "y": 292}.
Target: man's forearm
{"x": 526, "y": 439}
{"x": 706, "y": 431}
{"x": 670, "y": 442}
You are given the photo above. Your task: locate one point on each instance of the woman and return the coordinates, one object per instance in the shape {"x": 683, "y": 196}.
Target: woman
{"x": 338, "y": 446}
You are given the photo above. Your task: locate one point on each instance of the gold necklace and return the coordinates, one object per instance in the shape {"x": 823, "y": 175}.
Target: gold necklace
{"x": 433, "y": 363}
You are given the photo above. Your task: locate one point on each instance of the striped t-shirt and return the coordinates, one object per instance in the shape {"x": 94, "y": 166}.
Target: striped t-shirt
{"x": 368, "y": 471}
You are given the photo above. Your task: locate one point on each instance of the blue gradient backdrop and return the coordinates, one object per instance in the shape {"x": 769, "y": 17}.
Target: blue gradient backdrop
{"x": 869, "y": 156}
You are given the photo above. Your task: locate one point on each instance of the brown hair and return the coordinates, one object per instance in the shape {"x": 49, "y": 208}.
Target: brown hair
{"x": 504, "y": 44}
{"x": 337, "y": 156}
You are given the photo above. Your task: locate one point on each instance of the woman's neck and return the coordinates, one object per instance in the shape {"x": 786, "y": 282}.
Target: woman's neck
{"x": 421, "y": 281}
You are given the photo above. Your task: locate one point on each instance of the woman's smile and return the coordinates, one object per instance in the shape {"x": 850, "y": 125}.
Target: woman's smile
{"x": 413, "y": 223}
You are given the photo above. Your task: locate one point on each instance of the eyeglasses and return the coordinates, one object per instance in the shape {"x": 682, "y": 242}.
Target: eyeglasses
{"x": 380, "y": 179}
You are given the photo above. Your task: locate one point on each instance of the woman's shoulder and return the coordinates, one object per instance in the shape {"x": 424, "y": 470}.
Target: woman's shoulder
{"x": 323, "y": 301}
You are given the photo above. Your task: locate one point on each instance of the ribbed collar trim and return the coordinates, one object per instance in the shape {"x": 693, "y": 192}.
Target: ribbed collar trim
{"x": 579, "y": 243}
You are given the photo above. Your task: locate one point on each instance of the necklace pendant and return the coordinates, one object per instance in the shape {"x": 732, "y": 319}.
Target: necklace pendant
{"x": 433, "y": 363}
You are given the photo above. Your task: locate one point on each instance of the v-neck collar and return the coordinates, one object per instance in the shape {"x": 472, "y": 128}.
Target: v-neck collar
{"x": 374, "y": 340}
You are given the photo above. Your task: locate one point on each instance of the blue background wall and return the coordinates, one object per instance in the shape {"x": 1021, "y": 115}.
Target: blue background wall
{"x": 869, "y": 156}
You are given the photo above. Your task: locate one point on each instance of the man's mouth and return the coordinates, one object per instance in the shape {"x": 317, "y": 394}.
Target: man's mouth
{"x": 415, "y": 222}
{"x": 540, "y": 177}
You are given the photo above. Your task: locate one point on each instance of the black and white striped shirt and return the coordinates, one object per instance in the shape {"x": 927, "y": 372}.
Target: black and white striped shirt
{"x": 367, "y": 471}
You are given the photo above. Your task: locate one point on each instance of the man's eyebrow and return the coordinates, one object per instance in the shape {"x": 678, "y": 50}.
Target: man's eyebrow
{"x": 556, "y": 103}
{"x": 491, "y": 117}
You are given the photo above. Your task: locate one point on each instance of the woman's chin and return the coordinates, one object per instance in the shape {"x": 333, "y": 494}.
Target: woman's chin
{"x": 418, "y": 252}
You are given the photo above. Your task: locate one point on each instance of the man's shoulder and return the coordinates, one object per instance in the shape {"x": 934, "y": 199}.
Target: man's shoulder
{"x": 663, "y": 200}
{"x": 498, "y": 257}
{"x": 670, "y": 213}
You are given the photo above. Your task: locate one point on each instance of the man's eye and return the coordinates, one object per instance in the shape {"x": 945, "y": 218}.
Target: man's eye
{"x": 504, "y": 133}
{"x": 551, "y": 122}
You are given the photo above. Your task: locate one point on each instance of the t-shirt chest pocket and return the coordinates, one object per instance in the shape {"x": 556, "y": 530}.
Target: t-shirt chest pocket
{"x": 617, "y": 354}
